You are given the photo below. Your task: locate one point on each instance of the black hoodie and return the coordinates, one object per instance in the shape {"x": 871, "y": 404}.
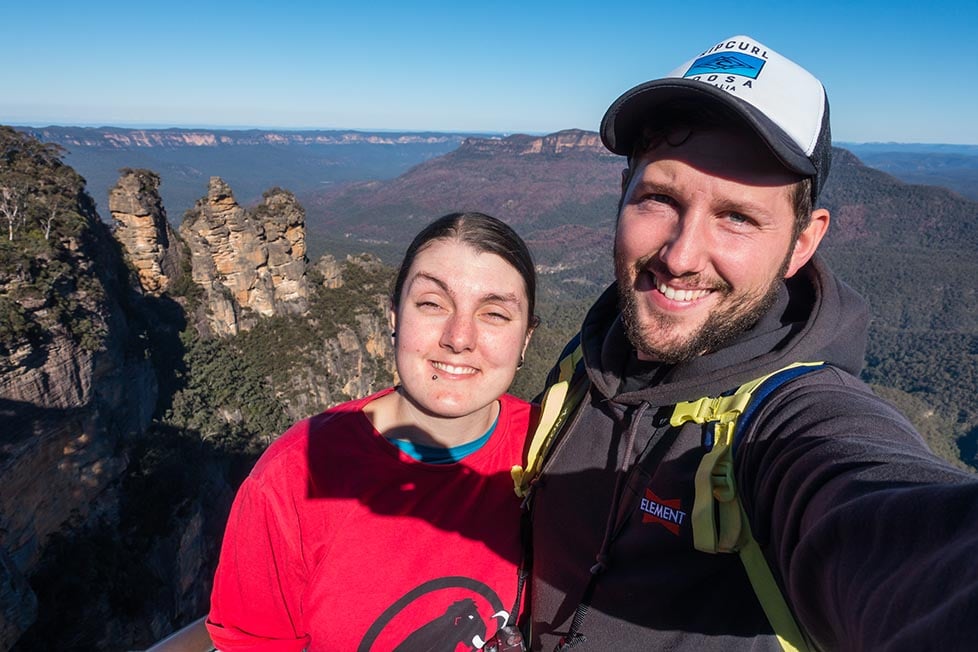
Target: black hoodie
{"x": 870, "y": 536}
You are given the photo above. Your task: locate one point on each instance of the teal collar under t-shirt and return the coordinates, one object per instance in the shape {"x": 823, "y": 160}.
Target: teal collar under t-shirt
{"x": 439, "y": 454}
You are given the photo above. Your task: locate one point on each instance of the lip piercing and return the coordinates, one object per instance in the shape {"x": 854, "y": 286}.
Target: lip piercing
{"x": 435, "y": 377}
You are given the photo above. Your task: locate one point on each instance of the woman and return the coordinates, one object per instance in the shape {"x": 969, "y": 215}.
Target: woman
{"x": 391, "y": 522}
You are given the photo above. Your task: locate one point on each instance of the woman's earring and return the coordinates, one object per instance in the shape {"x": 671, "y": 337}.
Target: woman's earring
{"x": 519, "y": 365}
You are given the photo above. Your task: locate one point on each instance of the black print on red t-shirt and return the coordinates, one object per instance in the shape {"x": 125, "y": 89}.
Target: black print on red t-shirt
{"x": 453, "y": 610}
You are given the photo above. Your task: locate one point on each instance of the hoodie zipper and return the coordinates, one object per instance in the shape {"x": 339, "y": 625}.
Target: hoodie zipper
{"x": 574, "y": 634}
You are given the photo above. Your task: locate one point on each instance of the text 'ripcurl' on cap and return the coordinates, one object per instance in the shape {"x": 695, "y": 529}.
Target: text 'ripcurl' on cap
{"x": 783, "y": 103}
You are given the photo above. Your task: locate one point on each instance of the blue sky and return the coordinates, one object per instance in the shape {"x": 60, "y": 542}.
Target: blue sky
{"x": 895, "y": 71}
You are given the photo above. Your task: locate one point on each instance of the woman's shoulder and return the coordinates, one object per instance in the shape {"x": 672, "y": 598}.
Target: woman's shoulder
{"x": 291, "y": 448}
{"x": 287, "y": 449}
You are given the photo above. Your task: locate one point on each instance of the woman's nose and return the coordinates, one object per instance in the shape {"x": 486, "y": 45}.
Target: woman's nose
{"x": 459, "y": 333}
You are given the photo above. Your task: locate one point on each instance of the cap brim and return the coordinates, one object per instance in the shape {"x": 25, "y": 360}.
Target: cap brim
{"x": 625, "y": 119}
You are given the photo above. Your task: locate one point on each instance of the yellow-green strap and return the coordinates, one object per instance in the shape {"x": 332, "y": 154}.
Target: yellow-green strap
{"x": 718, "y": 461}
{"x": 769, "y": 594}
{"x": 716, "y": 515}
{"x": 554, "y": 410}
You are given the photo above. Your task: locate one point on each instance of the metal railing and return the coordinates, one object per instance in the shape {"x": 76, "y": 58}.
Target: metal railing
{"x": 192, "y": 638}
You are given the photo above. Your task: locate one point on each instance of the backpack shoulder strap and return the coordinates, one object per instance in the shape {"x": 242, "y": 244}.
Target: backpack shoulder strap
{"x": 565, "y": 388}
{"x": 719, "y": 521}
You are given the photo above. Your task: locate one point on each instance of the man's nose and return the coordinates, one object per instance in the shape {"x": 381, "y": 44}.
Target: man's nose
{"x": 686, "y": 250}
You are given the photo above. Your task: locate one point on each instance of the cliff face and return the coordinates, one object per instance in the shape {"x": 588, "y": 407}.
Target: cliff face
{"x": 117, "y": 138}
{"x": 569, "y": 141}
{"x": 69, "y": 408}
{"x": 123, "y": 432}
{"x": 74, "y": 385}
{"x": 250, "y": 263}
{"x": 150, "y": 244}
{"x": 357, "y": 359}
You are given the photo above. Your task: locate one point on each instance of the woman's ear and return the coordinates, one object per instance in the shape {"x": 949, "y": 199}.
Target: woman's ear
{"x": 529, "y": 334}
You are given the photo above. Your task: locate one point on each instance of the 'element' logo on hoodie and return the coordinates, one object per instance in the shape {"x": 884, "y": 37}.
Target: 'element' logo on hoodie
{"x": 664, "y": 512}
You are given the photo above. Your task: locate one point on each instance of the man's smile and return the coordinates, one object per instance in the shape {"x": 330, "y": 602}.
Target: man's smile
{"x": 681, "y": 295}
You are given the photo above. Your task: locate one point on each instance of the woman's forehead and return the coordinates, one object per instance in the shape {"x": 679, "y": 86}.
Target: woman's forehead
{"x": 457, "y": 266}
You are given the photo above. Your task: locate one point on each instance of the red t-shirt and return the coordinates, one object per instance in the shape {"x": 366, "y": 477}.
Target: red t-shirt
{"x": 339, "y": 541}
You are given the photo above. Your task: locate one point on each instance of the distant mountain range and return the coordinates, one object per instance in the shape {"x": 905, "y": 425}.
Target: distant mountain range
{"x": 951, "y": 166}
{"x": 251, "y": 161}
{"x": 910, "y": 148}
{"x": 121, "y": 138}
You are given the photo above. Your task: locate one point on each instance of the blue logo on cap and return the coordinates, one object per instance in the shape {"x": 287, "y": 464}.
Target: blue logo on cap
{"x": 730, "y": 64}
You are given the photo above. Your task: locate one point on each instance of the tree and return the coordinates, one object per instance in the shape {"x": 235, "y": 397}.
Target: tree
{"x": 51, "y": 196}
{"x": 10, "y": 206}
{"x": 47, "y": 219}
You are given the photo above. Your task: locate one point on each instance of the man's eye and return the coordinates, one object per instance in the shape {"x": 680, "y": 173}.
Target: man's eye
{"x": 656, "y": 198}
{"x": 738, "y": 218}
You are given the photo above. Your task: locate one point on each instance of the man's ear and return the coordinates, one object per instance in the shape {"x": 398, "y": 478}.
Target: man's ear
{"x": 392, "y": 317}
{"x": 626, "y": 178}
{"x": 808, "y": 241}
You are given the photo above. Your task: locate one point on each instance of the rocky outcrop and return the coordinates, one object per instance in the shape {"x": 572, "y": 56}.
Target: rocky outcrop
{"x": 357, "y": 361}
{"x": 68, "y": 408}
{"x": 151, "y": 245}
{"x": 285, "y": 241}
{"x": 331, "y": 271}
{"x": 250, "y": 263}
{"x": 355, "y": 354}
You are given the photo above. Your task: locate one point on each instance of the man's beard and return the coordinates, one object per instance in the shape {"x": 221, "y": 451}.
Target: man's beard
{"x": 725, "y": 322}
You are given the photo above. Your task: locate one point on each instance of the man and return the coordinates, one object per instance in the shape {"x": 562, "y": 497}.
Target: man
{"x": 869, "y": 537}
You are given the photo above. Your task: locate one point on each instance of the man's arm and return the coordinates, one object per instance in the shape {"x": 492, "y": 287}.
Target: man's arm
{"x": 872, "y": 536}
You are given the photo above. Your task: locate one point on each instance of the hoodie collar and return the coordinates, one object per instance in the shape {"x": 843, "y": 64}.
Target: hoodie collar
{"x": 815, "y": 317}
